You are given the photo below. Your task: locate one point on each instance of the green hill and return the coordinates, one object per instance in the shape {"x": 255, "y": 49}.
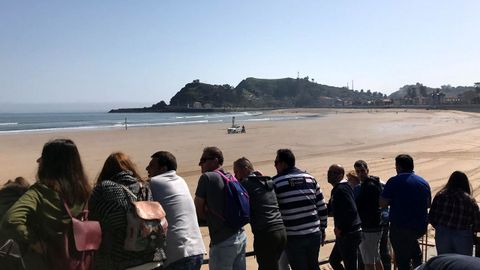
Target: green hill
{"x": 256, "y": 93}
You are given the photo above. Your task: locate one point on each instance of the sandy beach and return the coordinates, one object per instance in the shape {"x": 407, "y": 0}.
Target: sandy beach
{"x": 439, "y": 141}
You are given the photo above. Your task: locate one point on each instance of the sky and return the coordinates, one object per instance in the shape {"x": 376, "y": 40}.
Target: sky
{"x": 126, "y": 52}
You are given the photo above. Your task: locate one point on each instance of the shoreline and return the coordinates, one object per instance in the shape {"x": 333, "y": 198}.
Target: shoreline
{"x": 439, "y": 141}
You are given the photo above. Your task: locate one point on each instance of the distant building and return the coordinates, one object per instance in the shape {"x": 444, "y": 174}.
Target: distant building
{"x": 207, "y": 106}
{"x": 197, "y": 105}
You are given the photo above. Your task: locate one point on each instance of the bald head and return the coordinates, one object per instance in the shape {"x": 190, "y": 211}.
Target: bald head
{"x": 335, "y": 174}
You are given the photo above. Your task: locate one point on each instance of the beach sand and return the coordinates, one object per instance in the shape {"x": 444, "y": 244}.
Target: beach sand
{"x": 439, "y": 141}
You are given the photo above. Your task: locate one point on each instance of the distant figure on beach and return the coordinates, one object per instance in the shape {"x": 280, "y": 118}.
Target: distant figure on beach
{"x": 243, "y": 129}
{"x": 11, "y": 192}
{"x": 347, "y": 222}
{"x": 109, "y": 204}
{"x": 409, "y": 198}
{"x": 185, "y": 246}
{"x": 38, "y": 217}
{"x": 369, "y": 211}
{"x": 227, "y": 245}
{"x": 455, "y": 216}
{"x": 269, "y": 233}
{"x": 303, "y": 210}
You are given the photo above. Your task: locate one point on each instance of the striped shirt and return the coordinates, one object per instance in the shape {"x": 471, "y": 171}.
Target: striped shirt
{"x": 301, "y": 202}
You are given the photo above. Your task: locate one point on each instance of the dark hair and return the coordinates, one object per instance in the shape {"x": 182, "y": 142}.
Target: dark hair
{"x": 243, "y": 162}
{"x": 115, "y": 163}
{"x": 287, "y": 156}
{"x": 458, "y": 181}
{"x": 214, "y": 152}
{"x": 405, "y": 162}
{"x": 166, "y": 159}
{"x": 361, "y": 164}
{"x": 61, "y": 169}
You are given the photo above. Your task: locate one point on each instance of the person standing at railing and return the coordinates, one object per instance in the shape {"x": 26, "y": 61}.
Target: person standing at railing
{"x": 409, "y": 198}
{"x": 369, "y": 211}
{"x": 347, "y": 221}
{"x": 269, "y": 234}
{"x": 303, "y": 211}
{"x": 455, "y": 216}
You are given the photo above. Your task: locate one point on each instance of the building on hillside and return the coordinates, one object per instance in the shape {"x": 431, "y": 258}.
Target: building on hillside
{"x": 197, "y": 105}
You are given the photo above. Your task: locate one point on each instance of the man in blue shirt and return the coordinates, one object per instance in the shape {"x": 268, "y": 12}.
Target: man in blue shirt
{"x": 409, "y": 198}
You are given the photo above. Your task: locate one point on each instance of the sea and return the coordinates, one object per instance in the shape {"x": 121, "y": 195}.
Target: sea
{"x": 51, "y": 122}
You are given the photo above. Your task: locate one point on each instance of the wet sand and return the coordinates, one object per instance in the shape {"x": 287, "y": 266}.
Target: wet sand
{"x": 439, "y": 141}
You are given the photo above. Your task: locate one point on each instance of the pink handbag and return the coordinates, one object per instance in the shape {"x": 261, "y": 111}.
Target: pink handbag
{"x": 76, "y": 247}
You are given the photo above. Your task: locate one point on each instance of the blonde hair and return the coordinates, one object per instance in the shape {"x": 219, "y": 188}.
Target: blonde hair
{"x": 352, "y": 174}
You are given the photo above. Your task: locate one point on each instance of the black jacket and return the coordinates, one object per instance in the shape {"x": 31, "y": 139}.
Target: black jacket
{"x": 343, "y": 208}
{"x": 264, "y": 212}
{"x": 368, "y": 204}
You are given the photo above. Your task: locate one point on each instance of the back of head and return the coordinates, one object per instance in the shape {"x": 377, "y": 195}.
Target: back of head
{"x": 286, "y": 156}
{"x": 242, "y": 168}
{"x": 335, "y": 173}
{"x": 352, "y": 178}
{"x": 60, "y": 168}
{"x": 360, "y": 164}
{"x": 214, "y": 152}
{"x": 404, "y": 163}
{"x": 243, "y": 162}
{"x": 458, "y": 181}
{"x": 117, "y": 162}
{"x": 21, "y": 182}
{"x": 166, "y": 159}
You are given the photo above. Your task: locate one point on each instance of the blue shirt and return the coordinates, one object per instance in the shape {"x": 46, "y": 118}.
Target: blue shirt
{"x": 409, "y": 196}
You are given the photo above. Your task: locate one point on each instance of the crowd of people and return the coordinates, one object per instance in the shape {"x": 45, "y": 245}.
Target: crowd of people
{"x": 288, "y": 212}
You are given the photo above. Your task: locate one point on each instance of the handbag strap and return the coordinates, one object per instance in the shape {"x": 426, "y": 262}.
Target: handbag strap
{"x": 70, "y": 212}
{"x": 129, "y": 191}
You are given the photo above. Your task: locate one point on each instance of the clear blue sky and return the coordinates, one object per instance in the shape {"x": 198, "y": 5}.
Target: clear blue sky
{"x": 146, "y": 51}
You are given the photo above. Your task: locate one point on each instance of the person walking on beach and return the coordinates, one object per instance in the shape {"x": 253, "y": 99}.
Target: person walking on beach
{"x": 455, "y": 216}
{"x": 227, "y": 244}
{"x": 109, "y": 204}
{"x": 185, "y": 246}
{"x": 269, "y": 233}
{"x": 409, "y": 198}
{"x": 370, "y": 215}
{"x": 303, "y": 210}
{"x": 38, "y": 217}
{"x": 346, "y": 219}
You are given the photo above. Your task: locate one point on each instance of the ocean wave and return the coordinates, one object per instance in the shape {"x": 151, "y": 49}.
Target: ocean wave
{"x": 190, "y": 116}
{"x": 8, "y": 124}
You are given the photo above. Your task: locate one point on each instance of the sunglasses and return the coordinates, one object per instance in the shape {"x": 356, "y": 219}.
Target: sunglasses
{"x": 203, "y": 159}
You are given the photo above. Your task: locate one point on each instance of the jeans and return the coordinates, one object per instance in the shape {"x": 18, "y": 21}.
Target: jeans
{"x": 406, "y": 247}
{"x": 229, "y": 254}
{"x": 302, "y": 251}
{"x": 453, "y": 241}
{"x": 268, "y": 247}
{"x": 188, "y": 263}
{"x": 346, "y": 250}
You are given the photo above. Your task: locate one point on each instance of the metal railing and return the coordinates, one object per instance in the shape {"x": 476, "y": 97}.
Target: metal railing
{"x": 424, "y": 245}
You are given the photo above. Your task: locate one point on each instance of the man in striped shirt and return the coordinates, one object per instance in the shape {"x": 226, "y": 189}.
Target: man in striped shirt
{"x": 303, "y": 210}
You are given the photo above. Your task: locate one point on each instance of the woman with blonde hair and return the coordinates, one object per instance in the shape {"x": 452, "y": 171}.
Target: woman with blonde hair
{"x": 109, "y": 204}
{"x": 38, "y": 217}
{"x": 455, "y": 216}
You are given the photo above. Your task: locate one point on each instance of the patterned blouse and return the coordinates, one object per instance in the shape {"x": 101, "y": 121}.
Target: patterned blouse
{"x": 455, "y": 210}
{"x": 109, "y": 205}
